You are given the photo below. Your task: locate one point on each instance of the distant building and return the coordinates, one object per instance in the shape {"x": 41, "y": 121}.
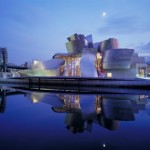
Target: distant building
{"x": 88, "y": 59}
{"x": 3, "y": 59}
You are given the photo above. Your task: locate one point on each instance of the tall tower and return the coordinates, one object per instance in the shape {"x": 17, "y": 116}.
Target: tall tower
{"x": 3, "y": 59}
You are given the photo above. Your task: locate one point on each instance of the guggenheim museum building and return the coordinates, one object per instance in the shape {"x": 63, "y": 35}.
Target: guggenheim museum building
{"x": 87, "y": 59}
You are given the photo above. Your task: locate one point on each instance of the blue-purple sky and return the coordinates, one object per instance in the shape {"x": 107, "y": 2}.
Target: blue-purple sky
{"x": 36, "y": 29}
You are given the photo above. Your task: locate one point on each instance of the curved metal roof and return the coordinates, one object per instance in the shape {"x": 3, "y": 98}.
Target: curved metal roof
{"x": 117, "y": 58}
{"x": 53, "y": 63}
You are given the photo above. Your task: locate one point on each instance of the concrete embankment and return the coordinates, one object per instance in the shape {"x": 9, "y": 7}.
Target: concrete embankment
{"x": 73, "y": 81}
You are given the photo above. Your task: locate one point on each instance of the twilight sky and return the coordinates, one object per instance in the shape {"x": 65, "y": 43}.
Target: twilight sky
{"x": 37, "y": 29}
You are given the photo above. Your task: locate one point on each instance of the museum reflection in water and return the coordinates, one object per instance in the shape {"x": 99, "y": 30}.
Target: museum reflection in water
{"x": 84, "y": 110}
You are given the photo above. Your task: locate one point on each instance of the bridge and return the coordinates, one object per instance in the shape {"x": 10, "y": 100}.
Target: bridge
{"x": 14, "y": 67}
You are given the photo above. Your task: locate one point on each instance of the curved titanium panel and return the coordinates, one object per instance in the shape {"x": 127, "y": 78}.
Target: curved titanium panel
{"x": 110, "y": 43}
{"x": 47, "y": 65}
{"x": 53, "y": 64}
{"x": 87, "y": 64}
{"x": 117, "y": 58}
{"x": 75, "y": 46}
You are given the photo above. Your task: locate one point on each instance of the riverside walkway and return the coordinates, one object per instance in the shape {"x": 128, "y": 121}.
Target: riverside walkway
{"x": 77, "y": 81}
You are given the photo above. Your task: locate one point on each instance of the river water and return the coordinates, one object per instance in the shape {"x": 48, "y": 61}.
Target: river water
{"x": 37, "y": 120}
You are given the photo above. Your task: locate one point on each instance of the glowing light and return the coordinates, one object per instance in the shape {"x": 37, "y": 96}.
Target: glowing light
{"x": 34, "y": 100}
{"x": 109, "y": 75}
{"x": 35, "y": 62}
{"x": 99, "y": 56}
{"x": 104, "y": 14}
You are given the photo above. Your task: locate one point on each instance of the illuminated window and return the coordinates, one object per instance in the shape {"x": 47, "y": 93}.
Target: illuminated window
{"x": 99, "y": 56}
{"x": 34, "y": 100}
{"x": 109, "y": 75}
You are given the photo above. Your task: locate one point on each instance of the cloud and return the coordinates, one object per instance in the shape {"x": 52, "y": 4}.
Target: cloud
{"x": 123, "y": 25}
{"x": 144, "y": 50}
{"x": 143, "y": 47}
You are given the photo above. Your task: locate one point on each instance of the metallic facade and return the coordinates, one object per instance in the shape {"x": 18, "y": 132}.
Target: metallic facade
{"x": 117, "y": 58}
{"x": 76, "y": 43}
{"x": 46, "y": 68}
{"x": 87, "y": 64}
{"x": 110, "y": 43}
{"x": 88, "y": 59}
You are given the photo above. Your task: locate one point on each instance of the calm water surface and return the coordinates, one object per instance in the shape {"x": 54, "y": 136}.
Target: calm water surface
{"x": 49, "y": 121}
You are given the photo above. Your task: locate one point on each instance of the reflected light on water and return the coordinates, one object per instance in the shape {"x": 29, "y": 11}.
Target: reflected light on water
{"x": 93, "y": 121}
